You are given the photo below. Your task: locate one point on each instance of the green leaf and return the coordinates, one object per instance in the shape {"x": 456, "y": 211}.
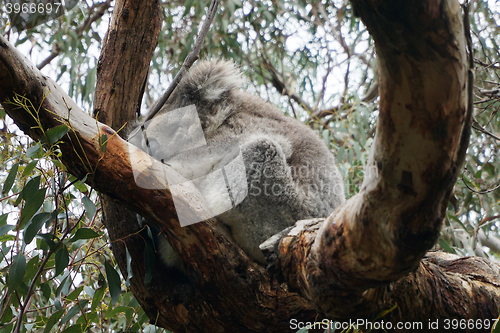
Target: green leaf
{"x": 48, "y": 239}
{"x": 36, "y": 224}
{"x": 75, "y": 293}
{"x": 6, "y": 228}
{"x": 77, "y": 328}
{"x": 114, "y": 282}
{"x": 9, "y": 181}
{"x": 7, "y": 238}
{"x": 27, "y": 170}
{"x": 7, "y": 329}
{"x": 142, "y": 317}
{"x": 34, "y": 151}
{"x": 56, "y": 133}
{"x": 89, "y": 207}
{"x": 58, "y": 164}
{"x": 5, "y": 249}
{"x": 79, "y": 184}
{"x": 57, "y": 303}
{"x": 33, "y": 197}
{"x": 7, "y": 316}
{"x": 32, "y": 268}
{"x": 118, "y": 309}
{"x": 31, "y": 187}
{"x": 103, "y": 141}
{"x": 130, "y": 273}
{"x": 32, "y": 205}
{"x": 3, "y": 219}
{"x": 46, "y": 291}
{"x": 96, "y": 300}
{"x": 74, "y": 310}
{"x": 84, "y": 233}
{"x": 445, "y": 246}
{"x": 54, "y": 318}
{"x": 16, "y": 271}
{"x": 62, "y": 259}
{"x": 61, "y": 286}
{"x": 19, "y": 199}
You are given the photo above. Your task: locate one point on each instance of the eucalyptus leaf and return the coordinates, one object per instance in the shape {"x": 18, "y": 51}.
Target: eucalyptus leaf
{"x": 118, "y": 309}
{"x": 114, "y": 282}
{"x": 34, "y": 151}
{"x": 56, "y": 133}
{"x": 9, "y": 181}
{"x": 54, "y": 318}
{"x": 96, "y": 300}
{"x": 62, "y": 259}
{"x": 103, "y": 141}
{"x": 6, "y": 228}
{"x": 32, "y": 205}
{"x": 84, "y": 233}
{"x": 16, "y": 271}
{"x": 90, "y": 208}
{"x": 74, "y": 310}
{"x": 36, "y": 224}
{"x": 29, "y": 168}
{"x": 3, "y": 219}
{"x": 48, "y": 239}
{"x": 77, "y": 328}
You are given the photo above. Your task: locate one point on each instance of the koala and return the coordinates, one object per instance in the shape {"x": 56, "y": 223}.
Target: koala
{"x": 288, "y": 172}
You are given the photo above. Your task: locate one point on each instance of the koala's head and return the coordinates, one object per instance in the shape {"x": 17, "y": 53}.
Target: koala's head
{"x": 208, "y": 86}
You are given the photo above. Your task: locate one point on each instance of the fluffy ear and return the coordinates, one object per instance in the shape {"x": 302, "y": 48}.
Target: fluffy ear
{"x": 209, "y": 86}
{"x": 211, "y": 80}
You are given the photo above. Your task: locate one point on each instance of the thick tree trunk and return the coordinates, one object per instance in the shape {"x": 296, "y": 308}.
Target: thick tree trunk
{"x": 363, "y": 259}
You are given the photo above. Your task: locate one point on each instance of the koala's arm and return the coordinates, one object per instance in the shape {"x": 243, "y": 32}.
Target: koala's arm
{"x": 272, "y": 202}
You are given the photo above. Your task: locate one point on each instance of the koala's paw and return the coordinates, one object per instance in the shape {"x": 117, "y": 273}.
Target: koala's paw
{"x": 264, "y": 160}
{"x": 261, "y": 150}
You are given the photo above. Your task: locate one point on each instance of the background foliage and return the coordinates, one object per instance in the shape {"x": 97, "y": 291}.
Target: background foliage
{"x": 313, "y": 59}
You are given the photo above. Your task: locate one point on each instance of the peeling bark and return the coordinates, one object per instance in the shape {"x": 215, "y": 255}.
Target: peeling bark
{"x": 363, "y": 259}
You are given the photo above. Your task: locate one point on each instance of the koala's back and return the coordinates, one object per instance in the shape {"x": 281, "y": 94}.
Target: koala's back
{"x": 291, "y": 174}
{"x": 307, "y": 156}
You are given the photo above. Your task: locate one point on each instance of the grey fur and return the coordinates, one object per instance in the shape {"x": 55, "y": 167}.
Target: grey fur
{"x": 291, "y": 173}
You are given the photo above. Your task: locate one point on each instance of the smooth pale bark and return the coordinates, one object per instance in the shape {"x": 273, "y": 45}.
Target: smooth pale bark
{"x": 363, "y": 259}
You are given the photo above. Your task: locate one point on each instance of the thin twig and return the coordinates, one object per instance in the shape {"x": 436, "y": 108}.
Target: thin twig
{"x": 102, "y": 7}
{"x": 478, "y": 127}
{"x": 190, "y": 59}
{"x": 479, "y": 192}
